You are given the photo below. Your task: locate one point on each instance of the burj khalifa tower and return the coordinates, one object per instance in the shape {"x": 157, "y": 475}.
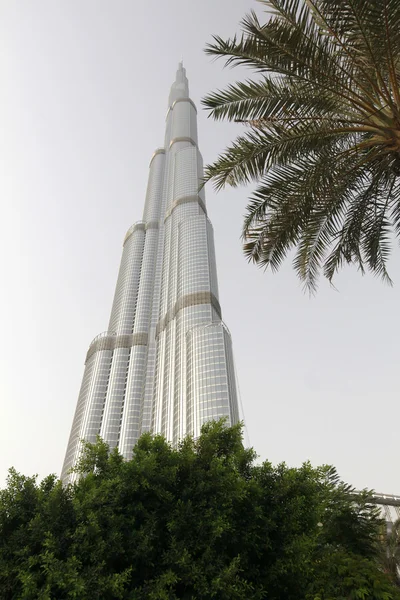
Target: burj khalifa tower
{"x": 165, "y": 363}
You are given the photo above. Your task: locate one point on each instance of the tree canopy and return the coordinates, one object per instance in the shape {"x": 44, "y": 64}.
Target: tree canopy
{"x": 201, "y": 521}
{"x": 322, "y": 113}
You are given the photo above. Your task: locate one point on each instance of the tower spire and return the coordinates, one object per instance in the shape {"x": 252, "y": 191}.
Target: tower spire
{"x": 180, "y": 87}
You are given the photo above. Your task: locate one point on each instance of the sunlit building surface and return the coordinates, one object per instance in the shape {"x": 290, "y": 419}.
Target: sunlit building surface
{"x": 165, "y": 364}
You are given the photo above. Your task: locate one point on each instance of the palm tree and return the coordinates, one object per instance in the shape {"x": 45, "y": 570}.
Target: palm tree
{"x": 323, "y": 133}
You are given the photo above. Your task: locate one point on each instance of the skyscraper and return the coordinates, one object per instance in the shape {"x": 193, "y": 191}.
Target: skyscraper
{"x": 165, "y": 364}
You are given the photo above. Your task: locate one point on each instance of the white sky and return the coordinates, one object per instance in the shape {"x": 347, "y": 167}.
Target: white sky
{"x": 82, "y": 107}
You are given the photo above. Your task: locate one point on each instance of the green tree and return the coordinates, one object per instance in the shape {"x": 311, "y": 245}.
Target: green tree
{"x": 201, "y": 521}
{"x": 323, "y": 133}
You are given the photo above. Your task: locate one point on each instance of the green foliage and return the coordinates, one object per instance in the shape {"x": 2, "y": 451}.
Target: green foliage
{"x": 341, "y": 575}
{"x": 323, "y": 133}
{"x": 201, "y": 521}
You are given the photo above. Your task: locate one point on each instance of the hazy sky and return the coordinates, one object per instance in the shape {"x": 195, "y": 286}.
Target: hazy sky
{"x": 83, "y": 102}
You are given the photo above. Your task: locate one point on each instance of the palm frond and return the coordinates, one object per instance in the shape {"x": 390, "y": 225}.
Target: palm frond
{"x": 289, "y": 207}
{"x": 283, "y": 49}
{"x": 268, "y": 99}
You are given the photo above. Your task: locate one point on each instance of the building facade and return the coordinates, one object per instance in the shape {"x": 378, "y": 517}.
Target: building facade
{"x": 165, "y": 364}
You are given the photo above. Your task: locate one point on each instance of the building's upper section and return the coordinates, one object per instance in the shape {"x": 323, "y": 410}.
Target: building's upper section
{"x": 176, "y": 169}
{"x": 180, "y": 87}
{"x": 181, "y": 121}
